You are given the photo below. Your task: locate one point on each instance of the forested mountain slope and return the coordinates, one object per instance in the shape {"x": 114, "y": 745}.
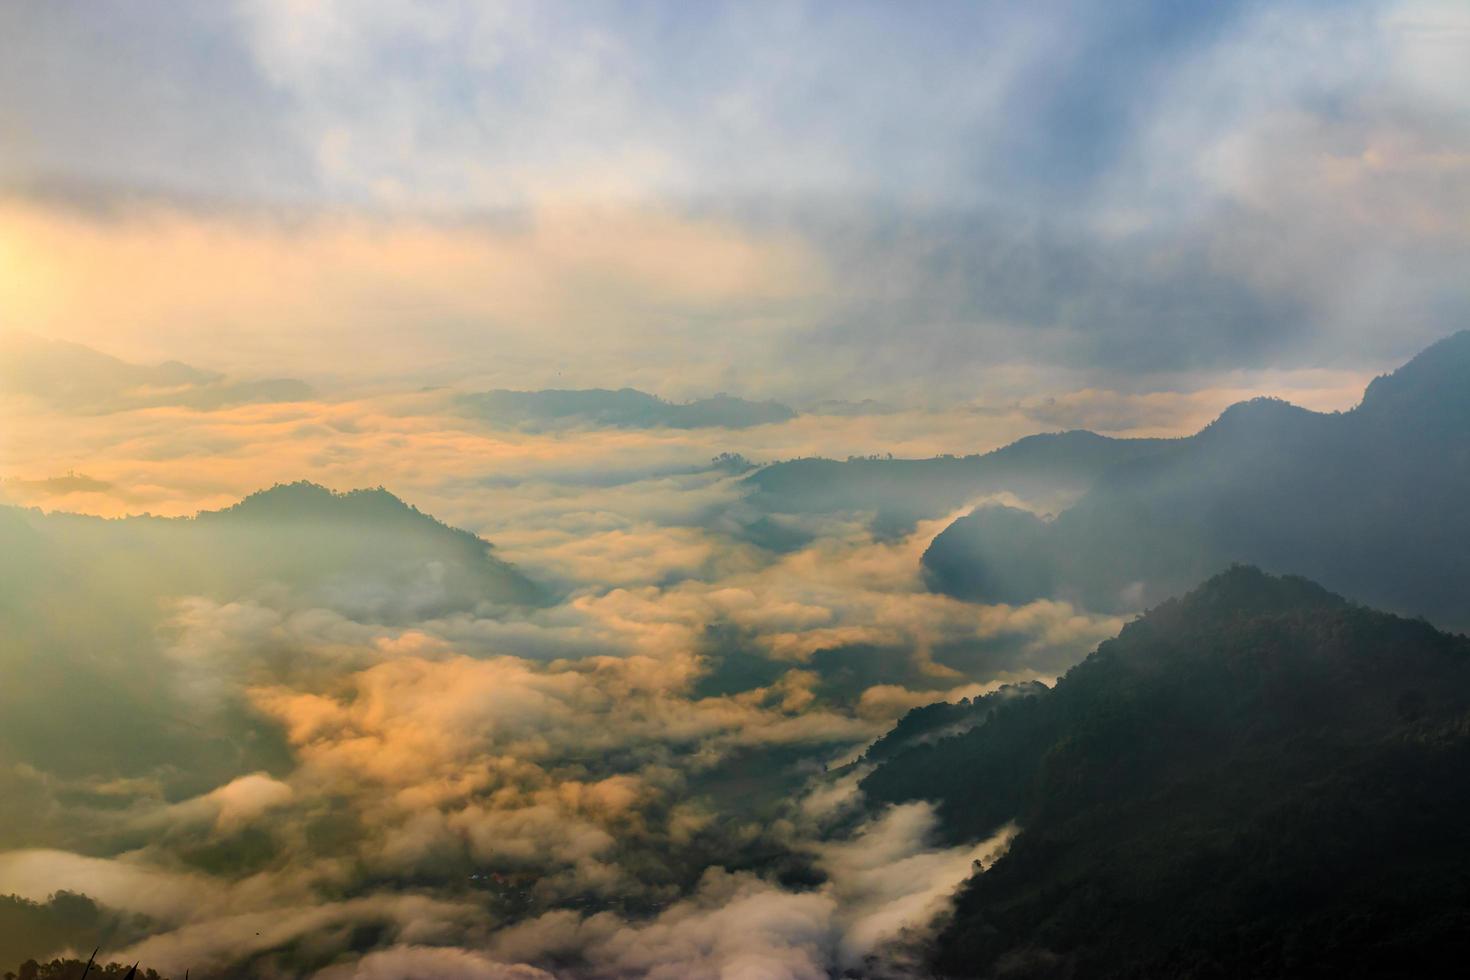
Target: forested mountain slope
{"x": 1218, "y": 792}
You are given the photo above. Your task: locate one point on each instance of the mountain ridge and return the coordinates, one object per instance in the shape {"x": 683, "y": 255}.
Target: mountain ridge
{"x": 1367, "y": 501}
{"x": 1048, "y": 466}
{"x": 1204, "y": 795}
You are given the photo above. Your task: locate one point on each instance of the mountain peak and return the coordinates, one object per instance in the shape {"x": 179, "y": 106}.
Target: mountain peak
{"x": 1435, "y": 383}
{"x": 1247, "y": 590}
{"x": 1260, "y": 416}
{"x": 1231, "y": 744}
{"x": 304, "y": 500}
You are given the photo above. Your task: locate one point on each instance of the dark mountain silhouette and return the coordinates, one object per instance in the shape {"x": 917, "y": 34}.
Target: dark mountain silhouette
{"x": 1259, "y": 779}
{"x": 75, "y": 378}
{"x": 1371, "y": 502}
{"x": 626, "y": 408}
{"x": 1050, "y": 469}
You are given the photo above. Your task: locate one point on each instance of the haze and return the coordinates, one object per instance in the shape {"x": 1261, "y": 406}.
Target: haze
{"x": 478, "y": 481}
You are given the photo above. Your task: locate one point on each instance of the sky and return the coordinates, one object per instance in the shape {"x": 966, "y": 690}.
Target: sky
{"x": 993, "y": 218}
{"x": 779, "y": 199}
{"x": 254, "y": 242}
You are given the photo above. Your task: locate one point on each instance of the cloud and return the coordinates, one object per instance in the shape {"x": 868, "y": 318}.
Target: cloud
{"x": 1114, "y": 218}
{"x": 307, "y": 935}
{"x": 887, "y": 881}
{"x": 436, "y": 961}
{"x": 588, "y": 764}
{"x": 555, "y": 762}
{"x": 1162, "y": 412}
{"x": 262, "y": 291}
{"x": 883, "y": 883}
{"x": 132, "y": 886}
{"x": 432, "y": 107}
{"x": 236, "y": 804}
{"x": 625, "y": 408}
{"x": 815, "y": 200}
{"x": 72, "y": 378}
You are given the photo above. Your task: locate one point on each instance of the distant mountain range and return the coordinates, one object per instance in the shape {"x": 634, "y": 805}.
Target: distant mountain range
{"x": 1371, "y": 502}
{"x": 74, "y": 378}
{"x": 1259, "y": 779}
{"x": 625, "y": 408}
{"x": 1053, "y": 468}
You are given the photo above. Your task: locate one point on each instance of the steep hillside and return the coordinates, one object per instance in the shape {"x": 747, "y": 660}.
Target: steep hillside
{"x": 1214, "y": 793}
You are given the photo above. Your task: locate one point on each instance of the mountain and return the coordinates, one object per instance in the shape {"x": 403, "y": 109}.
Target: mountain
{"x": 75, "y": 378}
{"x": 1259, "y": 779}
{"x": 1370, "y": 502}
{"x": 1049, "y": 468}
{"x": 944, "y": 719}
{"x": 97, "y": 615}
{"x": 626, "y": 408}
{"x": 365, "y": 552}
